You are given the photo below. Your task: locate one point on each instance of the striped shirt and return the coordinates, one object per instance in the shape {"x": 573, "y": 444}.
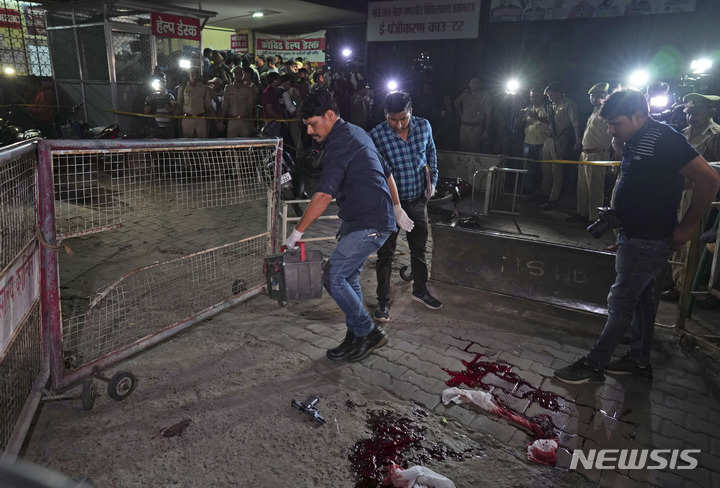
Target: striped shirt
{"x": 650, "y": 186}
{"x": 408, "y": 159}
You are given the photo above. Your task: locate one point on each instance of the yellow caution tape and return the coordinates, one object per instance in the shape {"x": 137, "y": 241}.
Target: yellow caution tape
{"x": 166, "y": 116}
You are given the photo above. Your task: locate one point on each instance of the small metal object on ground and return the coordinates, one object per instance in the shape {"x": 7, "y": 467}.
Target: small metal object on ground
{"x": 308, "y": 406}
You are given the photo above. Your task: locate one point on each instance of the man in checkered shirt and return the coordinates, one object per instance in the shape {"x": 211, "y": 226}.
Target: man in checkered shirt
{"x": 406, "y": 143}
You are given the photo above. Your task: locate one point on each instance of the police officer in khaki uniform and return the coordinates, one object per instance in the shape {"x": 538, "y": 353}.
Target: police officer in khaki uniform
{"x": 238, "y": 104}
{"x": 596, "y": 146}
{"x": 195, "y": 100}
{"x": 474, "y": 108}
{"x": 702, "y": 132}
{"x": 704, "y": 135}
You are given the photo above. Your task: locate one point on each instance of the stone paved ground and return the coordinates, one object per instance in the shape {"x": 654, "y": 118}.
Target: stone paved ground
{"x": 678, "y": 409}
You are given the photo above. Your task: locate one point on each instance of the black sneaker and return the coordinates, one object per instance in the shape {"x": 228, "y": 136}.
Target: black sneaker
{"x": 581, "y": 371}
{"x": 382, "y": 312}
{"x": 427, "y": 299}
{"x": 627, "y": 365}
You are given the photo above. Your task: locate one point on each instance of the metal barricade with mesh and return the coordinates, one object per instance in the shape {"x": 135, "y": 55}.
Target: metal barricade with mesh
{"x": 149, "y": 238}
{"x": 23, "y": 372}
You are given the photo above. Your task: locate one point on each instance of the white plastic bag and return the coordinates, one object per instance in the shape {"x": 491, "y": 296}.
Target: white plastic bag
{"x": 460, "y": 396}
{"x": 418, "y": 477}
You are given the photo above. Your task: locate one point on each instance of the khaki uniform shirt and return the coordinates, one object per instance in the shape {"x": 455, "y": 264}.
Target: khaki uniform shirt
{"x": 703, "y": 138}
{"x": 238, "y": 100}
{"x": 474, "y": 108}
{"x": 536, "y": 131}
{"x": 596, "y": 133}
{"x": 196, "y": 100}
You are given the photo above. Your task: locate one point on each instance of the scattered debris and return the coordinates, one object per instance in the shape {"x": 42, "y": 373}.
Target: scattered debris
{"x": 543, "y": 451}
{"x": 176, "y": 430}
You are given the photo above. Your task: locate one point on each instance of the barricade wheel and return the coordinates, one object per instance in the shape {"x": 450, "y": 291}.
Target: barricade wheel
{"x": 238, "y": 286}
{"x": 87, "y": 397}
{"x": 121, "y": 385}
{"x": 404, "y": 274}
{"x": 687, "y": 342}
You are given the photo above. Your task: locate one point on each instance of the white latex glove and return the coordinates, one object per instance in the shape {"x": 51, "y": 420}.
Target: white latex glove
{"x": 403, "y": 221}
{"x": 292, "y": 241}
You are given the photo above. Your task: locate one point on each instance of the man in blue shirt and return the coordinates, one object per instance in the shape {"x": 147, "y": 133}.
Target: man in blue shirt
{"x": 369, "y": 207}
{"x": 406, "y": 143}
{"x": 656, "y": 161}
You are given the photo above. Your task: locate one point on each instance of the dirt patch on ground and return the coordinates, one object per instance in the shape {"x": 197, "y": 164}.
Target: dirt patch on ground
{"x": 213, "y": 408}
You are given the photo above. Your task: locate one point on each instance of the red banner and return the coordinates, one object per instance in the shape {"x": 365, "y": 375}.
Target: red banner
{"x": 35, "y": 20}
{"x": 10, "y": 18}
{"x": 310, "y": 46}
{"x": 239, "y": 43}
{"x": 166, "y": 25}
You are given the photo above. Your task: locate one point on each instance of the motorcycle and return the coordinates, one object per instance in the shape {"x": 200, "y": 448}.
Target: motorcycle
{"x": 292, "y": 184}
{"x": 11, "y": 131}
{"x": 72, "y": 128}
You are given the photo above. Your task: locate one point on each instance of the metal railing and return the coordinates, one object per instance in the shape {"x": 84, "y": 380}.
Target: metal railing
{"x": 23, "y": 369}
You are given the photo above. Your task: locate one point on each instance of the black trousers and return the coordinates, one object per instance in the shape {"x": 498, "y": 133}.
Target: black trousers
{"x": 417, "y": 240}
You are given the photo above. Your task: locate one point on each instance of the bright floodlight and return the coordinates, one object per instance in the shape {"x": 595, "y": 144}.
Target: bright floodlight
{"x": 639, "y": 78}
{"x": 392, "y": 85}
{"x": 257, "y": 15}
{"x": 155, "y": 84}
{"x": 659, "y": 102}
{"x": 184, "y": 63}
{"x": 8, "y": 70}
{"x": 701, "y": 65}
{"x": 512, "y": 86}
{"x": 346, "y": 52}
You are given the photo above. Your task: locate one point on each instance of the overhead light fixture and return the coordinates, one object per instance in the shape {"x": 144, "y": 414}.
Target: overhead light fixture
{"x": 257, "y": 15}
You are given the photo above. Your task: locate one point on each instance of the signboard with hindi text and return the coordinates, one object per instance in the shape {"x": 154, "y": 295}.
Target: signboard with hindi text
{"x": 410, "y": 20}
{"x": 530, "y": 10}
{"x": 19, "y": 288}
{"x": 310, "y": 46}
{"x": 239, "y": 43}
{"x": 167, "y": 25}
{"x": 35, "y": 20}
{"x": 10, "y": 18}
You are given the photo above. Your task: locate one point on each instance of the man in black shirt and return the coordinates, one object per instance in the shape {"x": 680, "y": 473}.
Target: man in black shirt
{"x": 656, "y": 161}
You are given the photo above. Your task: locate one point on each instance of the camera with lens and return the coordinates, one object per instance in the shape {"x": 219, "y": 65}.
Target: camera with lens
{"x": 607, "y": 219}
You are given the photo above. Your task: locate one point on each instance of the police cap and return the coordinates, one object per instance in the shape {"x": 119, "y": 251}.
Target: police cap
{"x": 696, "y": 99}
{"x": 599, "y": 88}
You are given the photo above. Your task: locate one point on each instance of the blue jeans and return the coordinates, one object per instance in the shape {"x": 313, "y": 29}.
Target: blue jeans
{"x": 631, "y": 300}
{"x": 341, "y": 276}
